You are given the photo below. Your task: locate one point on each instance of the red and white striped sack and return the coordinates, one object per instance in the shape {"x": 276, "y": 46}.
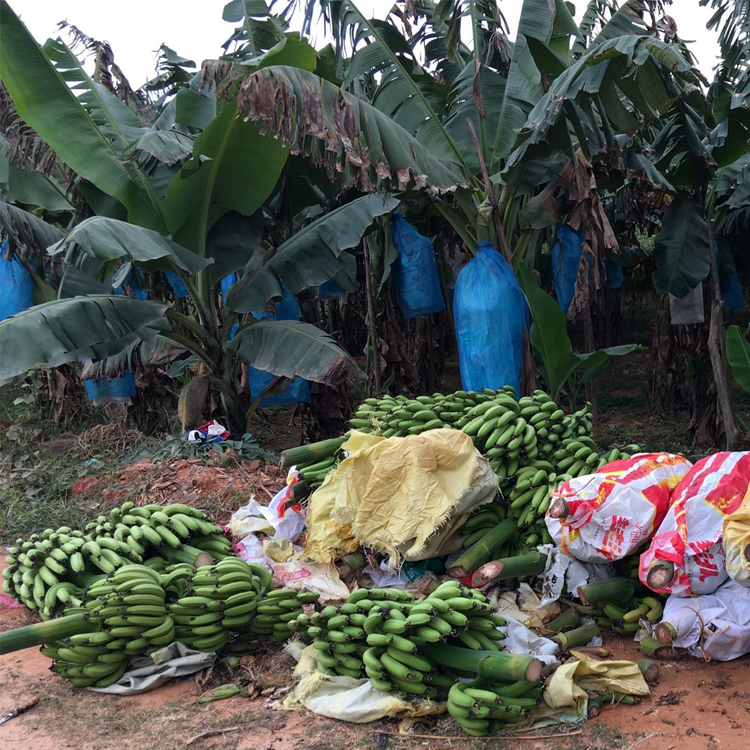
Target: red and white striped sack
{"x": 615, "y": 510}
{"x": 690, "y": 534}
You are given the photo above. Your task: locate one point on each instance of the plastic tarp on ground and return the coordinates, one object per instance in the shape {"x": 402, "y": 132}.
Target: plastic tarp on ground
{"x": 490, "y": 313}
{"x": 402, "y": 496}
{"x": 567, "y": 689}
{"x": 690, "y": 534}
{"x": 616, "y": 509}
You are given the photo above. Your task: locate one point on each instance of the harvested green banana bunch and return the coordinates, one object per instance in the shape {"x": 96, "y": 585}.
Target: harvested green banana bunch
{"x": 625, "y": 619}
{"x": 130, "y": 612}
{"x": 484, "y": 708}
{"x": 274, "y": 617}
{"x": 339, "y": 634}
{"x": 48, "y": 571}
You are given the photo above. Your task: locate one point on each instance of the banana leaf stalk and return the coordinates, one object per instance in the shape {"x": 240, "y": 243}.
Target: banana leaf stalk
{"x": 566, "y": 621}
{"x": 482, "y": 551}
{"x": 307, "y": 454}
{"x": 520, "y": 566}
{"x": 491, "y": 666}
{"x": 45, "y": 632}
{"x": 612, "y": 591}
{"x": 577, "y": 637}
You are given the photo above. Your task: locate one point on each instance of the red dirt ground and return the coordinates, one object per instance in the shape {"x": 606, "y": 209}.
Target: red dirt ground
{"x": 696, "y": 706}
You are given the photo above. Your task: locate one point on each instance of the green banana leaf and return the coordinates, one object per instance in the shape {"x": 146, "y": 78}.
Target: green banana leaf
{"x": 551, "y": 345}
{"x": 682, "y": 248}
{"x": 68, "y": 329}
{"x": 47, "y": 104}
{"x": 233, "y": 168}
{"x": 111, "y": 239}
{"x": 292, "y": 349}
{"x": 313, "y": 255}
{"x": 738, "y": 354}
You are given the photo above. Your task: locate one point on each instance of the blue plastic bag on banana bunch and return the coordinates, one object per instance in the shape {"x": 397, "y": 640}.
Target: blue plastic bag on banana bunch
{"x": 491, "y": 314}
{"x": 415, "y": 272}
{"x": 298, "y": 391}
{"x": 566, "y": 258}
{"x": 16, "y": 285}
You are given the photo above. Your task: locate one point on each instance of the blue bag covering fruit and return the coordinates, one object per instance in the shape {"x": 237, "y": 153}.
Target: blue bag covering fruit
{"x": 491, "y": 314}
{"x": 415, "y": 273}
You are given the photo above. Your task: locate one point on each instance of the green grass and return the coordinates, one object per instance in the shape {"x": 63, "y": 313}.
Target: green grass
{"x": 36, "y": 491}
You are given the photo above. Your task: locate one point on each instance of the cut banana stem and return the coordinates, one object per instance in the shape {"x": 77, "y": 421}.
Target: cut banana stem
{"x": 614, "y": 590}
{"x": 519, "y": 566}
{"x": 566, "y": 621}
{"x": 577, "y": 637}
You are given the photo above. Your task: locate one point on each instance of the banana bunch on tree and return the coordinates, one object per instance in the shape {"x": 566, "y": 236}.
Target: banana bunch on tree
{"x": 49, "y": 571}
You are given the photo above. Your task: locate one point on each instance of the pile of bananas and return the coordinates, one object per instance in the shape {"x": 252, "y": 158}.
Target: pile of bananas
{"x": 273, "y": 616}
{"x": 625, "y": 618}
{"x": 484, "y": 519}
{"x": 135, "y": 610}
{"x": 49, "y": 571}
{"x": 377, "y": 633}
{"x": 532, "y": 446}
{"x": 130, "y": 613}
{"x": 481, "y": 708}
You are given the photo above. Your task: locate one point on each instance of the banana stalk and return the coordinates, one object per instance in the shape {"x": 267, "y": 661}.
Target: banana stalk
{"x": 492, "y": 666}
{"x": 649, "y": 670}
{"x": 483, "y": 550}
{"x": 660, "y": 575}
{"x": 520, "y": 566}
{"x": 652, "y": 648}
{"x": 577, "y": 637}
{"x": 613, "y": 591}
{"x": 306, "y": 454}
{"x": 566, "y": 621}
{"x": 665, "y": 633}
{"x": 45, "y": 632}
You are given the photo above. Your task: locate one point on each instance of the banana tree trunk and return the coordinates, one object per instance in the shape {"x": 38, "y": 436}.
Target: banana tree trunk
{"x": 717, "y": 352}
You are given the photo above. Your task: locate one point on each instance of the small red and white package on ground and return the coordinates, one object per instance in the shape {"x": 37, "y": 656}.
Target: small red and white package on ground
{"x": 686, "y": 556}
{"x": 607, "y": 515}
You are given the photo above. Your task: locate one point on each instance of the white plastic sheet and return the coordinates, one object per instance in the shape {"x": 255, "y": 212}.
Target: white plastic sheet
{"x": 716, "y": 625}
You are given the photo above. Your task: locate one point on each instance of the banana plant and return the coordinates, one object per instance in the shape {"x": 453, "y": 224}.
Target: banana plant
{"x": 505, "y": 117}
{"x": 231, "y": 172}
